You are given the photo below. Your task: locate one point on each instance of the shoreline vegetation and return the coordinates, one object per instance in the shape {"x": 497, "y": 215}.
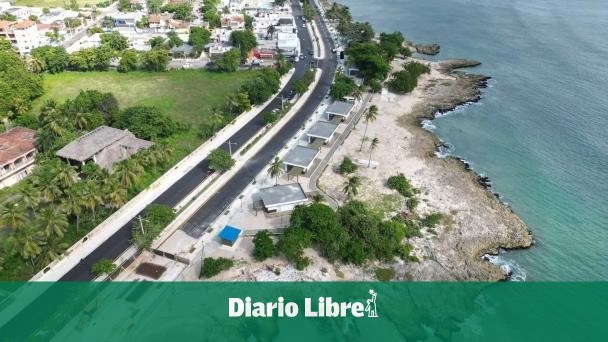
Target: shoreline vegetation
{"x": 458, "y": 220}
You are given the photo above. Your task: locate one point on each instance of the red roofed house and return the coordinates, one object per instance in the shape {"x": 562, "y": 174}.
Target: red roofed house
{"x": 17, "y": 150}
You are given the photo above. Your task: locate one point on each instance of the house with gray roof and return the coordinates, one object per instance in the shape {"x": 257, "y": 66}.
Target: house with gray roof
{"x": 299, "y": 159}
{"x": 339, "y": 109}
{"x": 104, "y": 145}
{"x": 282, "y": 198}
{"x": 321, "y": 132}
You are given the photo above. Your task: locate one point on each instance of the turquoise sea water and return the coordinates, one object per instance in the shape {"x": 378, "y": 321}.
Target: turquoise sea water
{"x": 541, "y": 131}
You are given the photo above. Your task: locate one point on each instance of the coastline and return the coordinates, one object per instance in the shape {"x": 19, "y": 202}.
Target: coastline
{"x": 475, "y": 222}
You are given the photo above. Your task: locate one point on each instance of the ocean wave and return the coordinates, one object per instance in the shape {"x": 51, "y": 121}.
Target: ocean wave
{"x": 428, "y": 125}
{"x": 444, "y": 149}
{"x": 509, "y": 266}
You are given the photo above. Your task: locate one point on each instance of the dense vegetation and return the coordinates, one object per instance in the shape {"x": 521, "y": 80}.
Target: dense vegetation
{"x": 347, "y": 166}
{"x": 263, "y": 248}
{"x": 154, "y": 220}
{"x": 406, "y": 80}
{"x": 343, "y": 86}
{"x": 354, "y": 234}
{"x": 213, "y": 266}
{"x": 301, "y": 86}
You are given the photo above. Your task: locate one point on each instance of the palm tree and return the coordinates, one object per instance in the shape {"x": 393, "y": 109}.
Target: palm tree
{"x": 65, "y": 175}
{"x": 12, "y": 215}
{"x": 92, "y": 197}
{"x": 372, "y": 146}
{"x": 115, "y": 195}
{"x": 358, "y": 93}
{"x": 351, "y": 187}
{"x": 270, "y": 31}
{"x": 29, "y": 196}
{"x": 128, "y": 172}
{"x": 370, "y": 116}
{"x": 73, "y": 202}
{"x": 52, "y": 221}
{"x": 81, "y": 121}
{"x": 53, "y": 250}
{"x": 276, "y": 169}
{"x": 27, "y": 242}
{"x": 35, "y": 65}
{"x": 19, "y": 106}
{"x": 217, "y": 119}
{"x": 49, "y": 191}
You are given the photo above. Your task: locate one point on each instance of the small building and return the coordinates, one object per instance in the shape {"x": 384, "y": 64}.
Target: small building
{"x": 285, "y": 24}
{"x": 229, "y": 235}
{"x": 300, "y": 159}
{"x": 182, "y": 51}
{"x": 104, "y": 145}
{"x": 17, "y": 150}
{"x": 127, "y": 19}
{"x": 233, "y": 21}
{"x": 158, "y": 22}
{"x": 339, "y": 109}
{"x": 288, "y": 44}
{"x": 282, "y": 198}
{"x": 321, "y": 133}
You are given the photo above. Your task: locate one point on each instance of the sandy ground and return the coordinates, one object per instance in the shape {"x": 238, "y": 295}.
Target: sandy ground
{"x": 475, "y": 222}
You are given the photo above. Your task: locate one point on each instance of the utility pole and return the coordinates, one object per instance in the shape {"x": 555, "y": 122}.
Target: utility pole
{"x": 141, "y": 225}
{"x": 230, "y": 146}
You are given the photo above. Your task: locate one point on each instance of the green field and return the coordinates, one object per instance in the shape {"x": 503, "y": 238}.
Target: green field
{"x": 53, "y": 3}
{"x": 186, "y": 95}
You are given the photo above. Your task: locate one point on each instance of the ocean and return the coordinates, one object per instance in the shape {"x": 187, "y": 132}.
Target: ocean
{"x": 541, "y": 130}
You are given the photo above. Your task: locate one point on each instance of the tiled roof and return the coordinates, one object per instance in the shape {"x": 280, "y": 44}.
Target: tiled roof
{"x": 15, "y": 143}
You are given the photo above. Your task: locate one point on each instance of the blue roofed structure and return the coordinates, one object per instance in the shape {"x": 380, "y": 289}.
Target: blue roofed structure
{"x": 229, "y": 235}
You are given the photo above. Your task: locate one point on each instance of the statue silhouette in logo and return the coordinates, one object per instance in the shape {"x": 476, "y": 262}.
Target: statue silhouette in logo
{"x": 371, "y": 305}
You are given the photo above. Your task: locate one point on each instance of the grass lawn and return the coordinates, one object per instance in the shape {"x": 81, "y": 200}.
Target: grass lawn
{"x": 186, "y": 95}
{"x": 53, "y": 3}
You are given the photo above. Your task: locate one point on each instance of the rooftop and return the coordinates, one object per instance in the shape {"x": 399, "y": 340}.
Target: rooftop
{"x": 15, "y": 143}
{"x": 340, "y": 108}
{"x": 281, "y": 194}
{"x": 322, "y": 129}
{"x": 301, "y": 156}
{"x": 23, "y": 24}
{"x": 230, "y": 233}
{"x": 116, "y": 145}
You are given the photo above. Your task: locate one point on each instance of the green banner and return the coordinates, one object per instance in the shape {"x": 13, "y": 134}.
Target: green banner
{"x": 304, "y": 311}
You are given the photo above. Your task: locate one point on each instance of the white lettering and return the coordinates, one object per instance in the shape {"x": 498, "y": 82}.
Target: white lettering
{"x": 235, "y": 307}
{"x": 291, "y": 309}
{"x": 357, "y": 309}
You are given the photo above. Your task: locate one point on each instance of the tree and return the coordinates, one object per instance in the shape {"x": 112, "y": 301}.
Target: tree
{"x": 92, "y": 197}
{"x": 351, "y": 186}
{"x": 128, "y": 172}
{"x": 156, "y": 42}
{"x": 220, "y": 160}
{"x": 276, "y": 169}
{"x": 115, "y": 41}
{"x": 370, "y": 116}
{"x": 199, "y": 37}
{"x": 73, "y": 202}
{"x": 129, "y": 61}
{"x": 292, "y": 244}
{"x": 52, "y": 221}
{"x": 65, "y": 175}
{"x": 29, "y": 196}
{"x": 391, "y": 44}
{"x": 155, "y": 59}
{"x": 115, "y": 195}
{"x": 17, "y": 83}
{"x": 238, "y": 102}
{"x": 228, "y": 61}
{"x": 104, "y": 265}
{"x": 12, "y": 215}
{"x": 156, "y": 218}
{"x": 342, "y": 86}
{"x": 27, "y": 242}
{"x": 372, "y": 146}
{"x": 248, "y": 22}
{"x": 244, "y": 41}
{"x": 174, "y": 39}
{"x": 308, "y": 10}
{"x": 154, "y": 6}
{"x": 270, "y": 31}
{"x": 146, "y": 122}
{"x": 263, "y": 246}
{"x": 181, "y": 11}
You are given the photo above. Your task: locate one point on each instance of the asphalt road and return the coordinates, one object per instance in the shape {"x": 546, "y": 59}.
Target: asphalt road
{"x": 121, "y": 240}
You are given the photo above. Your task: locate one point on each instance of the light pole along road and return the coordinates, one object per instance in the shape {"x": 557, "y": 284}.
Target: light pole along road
{"x": 196, "y": 225}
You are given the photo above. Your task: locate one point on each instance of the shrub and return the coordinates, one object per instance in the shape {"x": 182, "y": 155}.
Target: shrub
{"x": 384, "y": 274}
{"x": 213, "y": 266}
{"x": 103, "y": 266}
{"x": 347, "y": 166}
{"x": 432, "y": 220}
{"x": 220, "y": 160}
{"x": 270, "y": 117}
{"x": 375, "y": 86}
{"x": 401, "y": 184}
{"x": 263, "y": 246}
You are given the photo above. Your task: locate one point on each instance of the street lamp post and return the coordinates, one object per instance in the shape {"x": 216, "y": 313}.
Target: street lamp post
{"x": 230, "y": 146}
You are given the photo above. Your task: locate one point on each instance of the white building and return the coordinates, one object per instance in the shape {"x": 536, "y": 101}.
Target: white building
{"x": 23, "y": 35}
{"x": 288, "y": 44}
{"x": 282, "y": 198}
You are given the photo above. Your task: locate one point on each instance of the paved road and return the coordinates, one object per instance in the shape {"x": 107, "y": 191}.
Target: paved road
{"x": 120, "y": 241}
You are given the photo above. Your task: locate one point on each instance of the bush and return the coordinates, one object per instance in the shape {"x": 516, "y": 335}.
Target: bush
{"x": 432, "y": 220}
{"x": 347, "y": 166}
{"x": 263, "y": 246}
{"x": 103, "y": 266}
{"x": 220, "y": 160}
{"x": 213, "y": 266}
{"x": 375, "y": 86}
{"x": 385, "y": 274}
{"x": 401, "y": 184}
{"x": 146, "y": 122}
{"x": 270, "y": 117}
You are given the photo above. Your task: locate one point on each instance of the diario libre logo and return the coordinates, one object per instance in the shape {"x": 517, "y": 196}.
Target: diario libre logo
{"x": 322, "y": 307}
